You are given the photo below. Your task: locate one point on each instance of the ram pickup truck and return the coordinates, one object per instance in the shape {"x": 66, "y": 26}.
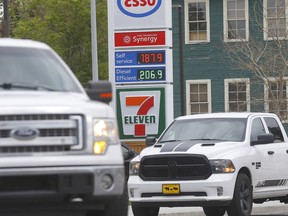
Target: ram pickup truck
{"x": 59, "y": 148}
{"x": 220, "y": 161}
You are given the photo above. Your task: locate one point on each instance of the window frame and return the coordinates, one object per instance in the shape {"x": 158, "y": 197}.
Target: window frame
{"x": 198, "y": 82}
{"x": 266, "y": 95}
{"x": 226, "y": 89}
{"x": 225, "y": 24}
{"x": 265, "y": 22}
{"x": 187, "y": 29}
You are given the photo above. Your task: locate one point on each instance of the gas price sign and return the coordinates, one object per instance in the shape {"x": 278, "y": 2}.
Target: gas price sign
{"x": 136, "y": 74}
{"x": 134, "y": 58}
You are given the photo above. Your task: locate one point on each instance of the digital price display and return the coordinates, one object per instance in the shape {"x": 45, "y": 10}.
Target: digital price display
{"x": 135, "y": 58}
{"x": 148, "y": 58}
{"x": 155, "y": 74}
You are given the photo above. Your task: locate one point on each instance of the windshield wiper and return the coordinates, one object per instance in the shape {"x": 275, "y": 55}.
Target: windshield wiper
{"x": 169, "y": 141}
{"x": 205, "y": 139}
{"x": 25, "y": 86}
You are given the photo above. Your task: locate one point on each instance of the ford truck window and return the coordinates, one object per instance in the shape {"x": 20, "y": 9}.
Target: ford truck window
{"x": 33, "y": 69}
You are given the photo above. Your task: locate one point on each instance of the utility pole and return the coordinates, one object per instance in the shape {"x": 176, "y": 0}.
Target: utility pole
{"x": 6, "y": 18}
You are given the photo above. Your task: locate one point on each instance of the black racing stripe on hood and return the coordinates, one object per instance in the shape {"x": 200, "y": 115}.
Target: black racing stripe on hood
{"x": 169, "y": 147}
{"x": 186, "y": 146}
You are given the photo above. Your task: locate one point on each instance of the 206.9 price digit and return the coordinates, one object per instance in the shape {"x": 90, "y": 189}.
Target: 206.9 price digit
{"x": 156, "y": 74}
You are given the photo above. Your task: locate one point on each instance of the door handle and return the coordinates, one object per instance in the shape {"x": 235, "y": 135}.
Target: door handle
{"x": 286, "y": 151}
{"x": 270, "y": 152}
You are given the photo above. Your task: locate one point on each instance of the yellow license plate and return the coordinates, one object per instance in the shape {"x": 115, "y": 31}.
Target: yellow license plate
{"x": 171, "y": 188}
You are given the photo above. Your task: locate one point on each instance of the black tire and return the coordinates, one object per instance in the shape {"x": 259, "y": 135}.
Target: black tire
{"x": 145, "y": 211}
{"x": 242, "y": 202}
{"x": 118, "y": 206}
{"x": 214, "y": 211}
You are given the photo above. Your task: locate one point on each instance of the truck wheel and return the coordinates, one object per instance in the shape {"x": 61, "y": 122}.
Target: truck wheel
{"x": 214, "y": 211}
{"x": 242, "y": 200}
{"x": 118, "y": 206}
{"x": 145, "y": 211}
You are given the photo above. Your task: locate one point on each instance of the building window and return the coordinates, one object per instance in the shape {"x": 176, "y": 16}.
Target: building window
{"x": 236, "y": 23}
{"x": 237, "y": 95}
{"x": 197, "y": 21}
{"x": 276, "y": 97}
{"x": 275, "y": 25}
{"x": 198, "y": 96}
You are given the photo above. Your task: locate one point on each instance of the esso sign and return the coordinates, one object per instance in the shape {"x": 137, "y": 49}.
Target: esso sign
{"x": 139, "y": 8}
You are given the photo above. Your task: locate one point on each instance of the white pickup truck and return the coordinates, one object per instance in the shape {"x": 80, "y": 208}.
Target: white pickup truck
{"x": 221, "y": 161}
{"x": 58, "y": 147}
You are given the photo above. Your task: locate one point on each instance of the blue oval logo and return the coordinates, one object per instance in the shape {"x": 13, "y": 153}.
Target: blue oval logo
{"x": 24, "y": 133}
{"x": 131, "y": 7}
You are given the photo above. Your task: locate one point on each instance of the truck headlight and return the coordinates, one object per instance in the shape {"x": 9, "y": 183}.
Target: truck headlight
{"x": 105, "y": 133}
{"x": 222, "y": 166}
{"x": 134, "y": 167}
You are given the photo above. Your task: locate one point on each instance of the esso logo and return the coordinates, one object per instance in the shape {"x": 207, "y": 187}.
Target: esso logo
{"x": 139, "y": 8}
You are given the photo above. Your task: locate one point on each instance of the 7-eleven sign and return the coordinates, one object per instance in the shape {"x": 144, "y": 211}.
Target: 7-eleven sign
{"x": 139, "y": 112}
{"x": 142, "y": 118}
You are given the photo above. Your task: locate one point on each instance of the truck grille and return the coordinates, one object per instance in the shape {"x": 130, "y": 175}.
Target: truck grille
{"x": 175, "y": 167}
{"x": 40, "y": 133}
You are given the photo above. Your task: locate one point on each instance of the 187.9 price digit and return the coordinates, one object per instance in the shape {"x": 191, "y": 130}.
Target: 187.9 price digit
{"x": 157, "y": 57}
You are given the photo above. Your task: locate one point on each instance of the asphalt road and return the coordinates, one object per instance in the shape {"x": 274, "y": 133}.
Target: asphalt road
{"x": 274, "y": 208}
{"x": 41, "y": 213}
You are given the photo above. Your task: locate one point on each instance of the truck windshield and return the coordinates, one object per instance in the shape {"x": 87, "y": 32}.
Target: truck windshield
{"x": 33, "y": 69}
{"x": 225, "y": 129}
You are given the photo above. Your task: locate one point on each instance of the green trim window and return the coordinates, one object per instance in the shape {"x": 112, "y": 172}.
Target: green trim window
{"x": 198, "y": 96}
{"x": 276, "y": 97}
{"x": 237, "y": 93}
{"x": 275, "y": 21}
{"x": 197, "y": 21}
{"x": 236, "y": 23}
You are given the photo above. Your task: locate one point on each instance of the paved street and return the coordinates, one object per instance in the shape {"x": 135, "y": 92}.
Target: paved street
{"x": 46, "y": 213}
{"x": 274, "y": 208}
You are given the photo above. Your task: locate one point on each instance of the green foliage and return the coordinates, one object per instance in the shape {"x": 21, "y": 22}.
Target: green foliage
{"x": 66, "y": 27}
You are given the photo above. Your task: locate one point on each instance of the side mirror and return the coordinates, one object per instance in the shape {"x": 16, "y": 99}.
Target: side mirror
{"x": 150, "y": 141}
{"x": 127, "y": 153}
{"x": 264, "y": 139}
{"x": 99, "y": 91}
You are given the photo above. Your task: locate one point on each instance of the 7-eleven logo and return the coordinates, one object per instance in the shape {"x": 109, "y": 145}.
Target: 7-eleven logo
{"x": 140, "y": 113}
{"x": 145, "y": 103}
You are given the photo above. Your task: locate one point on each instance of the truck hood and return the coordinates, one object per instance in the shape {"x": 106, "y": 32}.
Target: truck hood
{"x": 13, "y": 102}
{"x": 212, "y": 149}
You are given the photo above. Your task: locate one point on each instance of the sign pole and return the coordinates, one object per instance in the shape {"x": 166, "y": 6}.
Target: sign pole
{"x": 94, "y": 40}
{"x": 6, "y": 18}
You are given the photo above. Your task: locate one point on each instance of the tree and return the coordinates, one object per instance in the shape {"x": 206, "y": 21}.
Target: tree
{"x": 65, "y": 26}
{"x": 266, "y": 60}
{"x": 1, "y": 18}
